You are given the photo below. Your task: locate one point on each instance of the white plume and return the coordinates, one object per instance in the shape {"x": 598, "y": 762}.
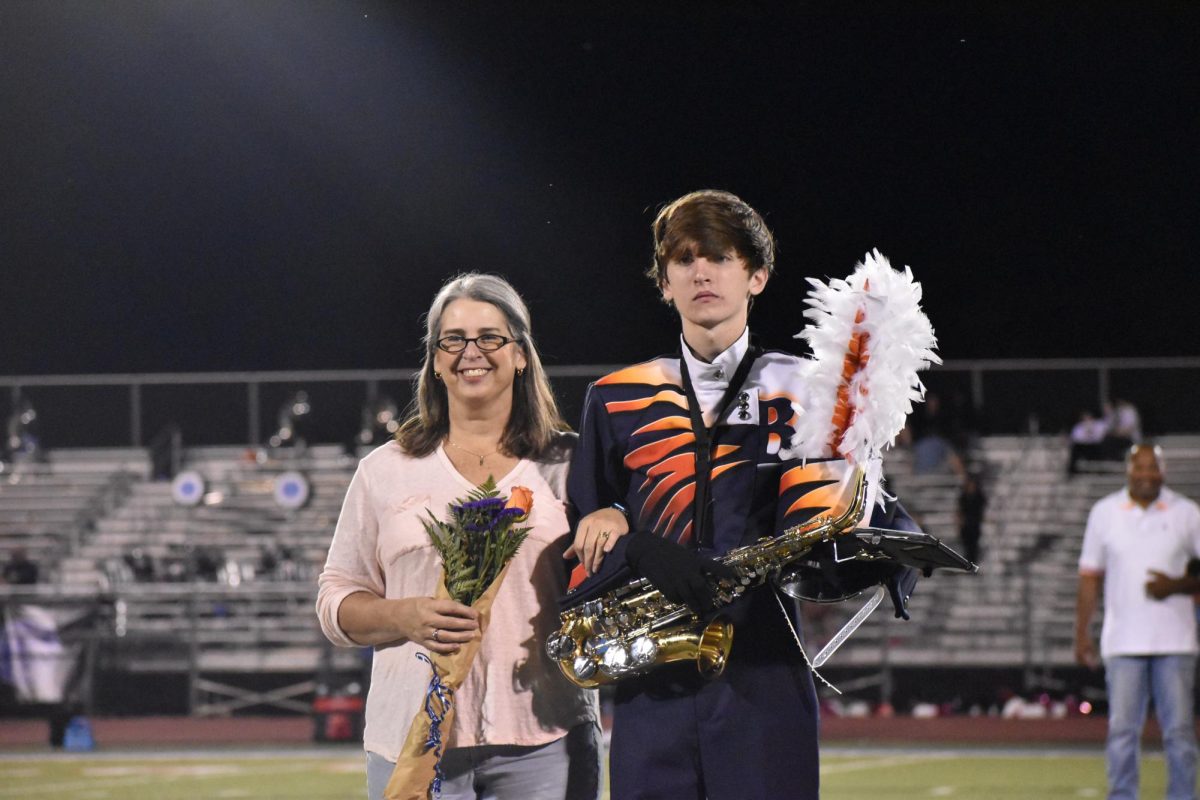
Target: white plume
{"x": 884, "y": 305}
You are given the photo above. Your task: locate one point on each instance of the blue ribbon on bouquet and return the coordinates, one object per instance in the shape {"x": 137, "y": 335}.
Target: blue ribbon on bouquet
{"x": 438, "y": 699}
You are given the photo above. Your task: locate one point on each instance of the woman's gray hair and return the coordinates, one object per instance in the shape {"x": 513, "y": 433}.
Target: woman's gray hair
{"x": 485, "y": 289}
{"x": 535, "y": 419}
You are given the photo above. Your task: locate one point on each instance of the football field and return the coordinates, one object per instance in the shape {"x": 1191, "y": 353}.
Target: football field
{"x": 326, "y": 774}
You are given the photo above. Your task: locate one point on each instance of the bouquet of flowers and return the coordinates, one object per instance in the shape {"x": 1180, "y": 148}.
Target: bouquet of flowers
{"x": 476, "y": 542}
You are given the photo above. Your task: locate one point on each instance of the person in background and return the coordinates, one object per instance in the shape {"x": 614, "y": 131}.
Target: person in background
{"x": 931, "y": 446}
{"x": 22, "y": 441}
{"x": 1123, "y": 428}
{"x": 19, "y": 570}
{"x": 972, "y": 503}
{"x": 1087, "y": 440}
{"x": 1135, "y": 539}
{"x": 483, "y": 408}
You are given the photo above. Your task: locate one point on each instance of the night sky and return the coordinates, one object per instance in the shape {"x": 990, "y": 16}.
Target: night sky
{"x": 229, "y": 185}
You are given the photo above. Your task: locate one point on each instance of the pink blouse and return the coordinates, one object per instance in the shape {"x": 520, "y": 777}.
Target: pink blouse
{"x": 514, "y": 694}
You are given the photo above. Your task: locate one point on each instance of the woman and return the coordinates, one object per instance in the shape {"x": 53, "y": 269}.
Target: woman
{"x": 483, "y": 408}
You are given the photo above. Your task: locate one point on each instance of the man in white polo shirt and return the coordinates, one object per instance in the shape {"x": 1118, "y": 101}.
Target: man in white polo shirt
{"x": 1148, "y": 640}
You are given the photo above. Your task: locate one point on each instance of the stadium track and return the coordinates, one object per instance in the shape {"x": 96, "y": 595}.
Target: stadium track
{"x": 155, "y": 732}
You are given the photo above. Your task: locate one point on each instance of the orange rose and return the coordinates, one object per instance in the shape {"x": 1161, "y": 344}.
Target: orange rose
{"x": 522, "y": 499}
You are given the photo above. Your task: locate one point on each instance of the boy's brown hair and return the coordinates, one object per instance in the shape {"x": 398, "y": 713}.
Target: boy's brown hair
{"x": 713, "y": 222}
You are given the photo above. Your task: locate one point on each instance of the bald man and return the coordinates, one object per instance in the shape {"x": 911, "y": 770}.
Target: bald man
{"x": 1136, "y": 539}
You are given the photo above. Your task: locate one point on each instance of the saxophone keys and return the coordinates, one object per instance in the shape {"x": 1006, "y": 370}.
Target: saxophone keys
{"x": 643, "y": 651}
{"x": 583, "y": 667}
{"x": 615, "y": 661}
{"x": 559, "y": 646}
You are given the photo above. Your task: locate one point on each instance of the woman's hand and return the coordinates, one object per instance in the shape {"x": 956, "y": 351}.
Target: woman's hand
{"x": 595, "y": 536}
{"x": 438, "y": 625}
{"x": 441, "y": 626}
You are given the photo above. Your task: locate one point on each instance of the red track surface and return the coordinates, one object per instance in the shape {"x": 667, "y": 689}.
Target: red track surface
{"x": 270, "y": 731}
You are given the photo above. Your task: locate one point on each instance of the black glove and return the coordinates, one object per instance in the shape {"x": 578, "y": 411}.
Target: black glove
{"x": 848, "y": 577}
{"x": 900, "y": 585}
{"x": 679, "y": 573}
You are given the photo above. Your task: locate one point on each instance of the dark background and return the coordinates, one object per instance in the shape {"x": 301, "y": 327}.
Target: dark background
{"x": 233, "y": 185}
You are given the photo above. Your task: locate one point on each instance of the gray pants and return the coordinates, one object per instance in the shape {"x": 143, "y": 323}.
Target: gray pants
{"x": 567, "y": 768}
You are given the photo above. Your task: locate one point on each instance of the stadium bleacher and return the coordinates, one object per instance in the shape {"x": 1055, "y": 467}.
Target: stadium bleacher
{"x": 1018, "y": 610}
{"x": 234, "y": 576}
{"x": 230, "y": 582}
{"x": 47, "y": 507}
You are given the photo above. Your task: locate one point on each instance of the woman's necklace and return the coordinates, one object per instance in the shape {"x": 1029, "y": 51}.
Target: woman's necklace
{"x": 450, "y": 442}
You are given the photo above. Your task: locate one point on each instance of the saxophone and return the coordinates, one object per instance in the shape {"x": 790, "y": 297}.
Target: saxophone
{"x": 633, "y": 628}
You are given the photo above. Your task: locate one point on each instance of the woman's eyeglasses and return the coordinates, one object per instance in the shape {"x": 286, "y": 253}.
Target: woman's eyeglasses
{"x": 486, "y": 342}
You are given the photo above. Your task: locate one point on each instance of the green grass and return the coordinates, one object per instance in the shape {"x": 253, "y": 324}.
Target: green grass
{"x": 973, "y": 775}
{"x": 846, "y": 775}
{"x": 162, "y": 777}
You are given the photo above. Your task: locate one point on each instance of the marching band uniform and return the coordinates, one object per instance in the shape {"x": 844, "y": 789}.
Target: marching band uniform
{"x": 752, "y": 732}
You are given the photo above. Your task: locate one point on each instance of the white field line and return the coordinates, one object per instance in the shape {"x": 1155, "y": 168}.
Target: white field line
{"x": 878, "y": 763}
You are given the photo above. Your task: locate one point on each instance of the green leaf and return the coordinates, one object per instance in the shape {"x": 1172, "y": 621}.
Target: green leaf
{"x": 474, "y": 545}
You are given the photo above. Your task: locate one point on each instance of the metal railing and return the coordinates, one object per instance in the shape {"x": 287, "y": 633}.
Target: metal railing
{"x": 1011, "y": 395}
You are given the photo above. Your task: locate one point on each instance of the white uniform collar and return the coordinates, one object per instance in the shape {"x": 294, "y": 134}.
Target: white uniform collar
{"x": 717, "y": 374}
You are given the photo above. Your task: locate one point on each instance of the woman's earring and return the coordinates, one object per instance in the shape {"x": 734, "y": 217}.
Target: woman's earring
{"x": 437, "y": 376}
{"x": 520, "y": 371}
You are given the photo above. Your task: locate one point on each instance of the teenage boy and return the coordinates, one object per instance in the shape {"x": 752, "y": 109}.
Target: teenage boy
{"x": 707, "y": 422}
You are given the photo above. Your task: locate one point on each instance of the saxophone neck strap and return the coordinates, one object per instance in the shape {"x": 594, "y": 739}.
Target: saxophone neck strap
{"x": 701, "y": 529}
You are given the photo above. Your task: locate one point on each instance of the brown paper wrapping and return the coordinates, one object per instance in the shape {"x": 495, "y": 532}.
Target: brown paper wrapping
{"x": 413, "y": 775}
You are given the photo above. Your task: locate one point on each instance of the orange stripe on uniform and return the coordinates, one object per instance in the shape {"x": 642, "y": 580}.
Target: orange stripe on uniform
{"x": 656, "y": 451}
{"x": 828, "y": 496}
{"x": 816, "y": 471}
{"x": 725, "y": 449}
{"x": 718, "y": 471}
{"x": 673, "y": 471}
{"x": 665, "y": 396}
{"x": 651, "y": 373}
{"x": 666, "y": 424}
{"x": 677, "y": 505}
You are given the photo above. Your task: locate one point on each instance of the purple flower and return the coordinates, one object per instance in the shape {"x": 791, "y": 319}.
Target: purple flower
{"x": 485, "y": 504}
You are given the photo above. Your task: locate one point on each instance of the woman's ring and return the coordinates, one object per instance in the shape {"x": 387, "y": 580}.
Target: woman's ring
{"x": 436, "y": 632}
{"x": 604, "y": 536}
